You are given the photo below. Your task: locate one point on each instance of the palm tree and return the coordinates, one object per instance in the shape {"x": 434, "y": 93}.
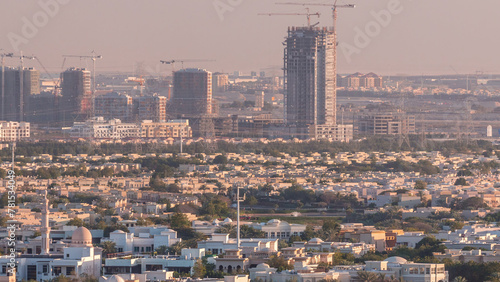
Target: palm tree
{"x": 381, "y": 277}
{"x": 459, "y": 279}
{"x": 162, "y": 250}
{"x": 366, "y": 276}
{"x": 176, "y": 248}
{"x": 108, "y": 247}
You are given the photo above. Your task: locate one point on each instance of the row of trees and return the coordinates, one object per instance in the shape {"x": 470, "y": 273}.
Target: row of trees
{"x": 369, "y": 144}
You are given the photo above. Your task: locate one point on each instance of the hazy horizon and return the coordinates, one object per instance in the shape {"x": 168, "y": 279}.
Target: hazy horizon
{"x": 422, "y": 37}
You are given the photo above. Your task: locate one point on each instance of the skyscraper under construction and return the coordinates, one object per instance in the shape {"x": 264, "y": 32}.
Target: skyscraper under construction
{"x": 75, "y": 104}
{"x": 310, "y": 84}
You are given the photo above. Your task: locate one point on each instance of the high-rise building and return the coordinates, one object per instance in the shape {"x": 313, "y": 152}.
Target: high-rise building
{"x": 16, "y": 105}
{"x": 310, "y": 83}
{"x": 151, "y": 108}
{"x": 75, "y": 103}
{"x": 114, "y": 105}
{"x": 192, "y": 92}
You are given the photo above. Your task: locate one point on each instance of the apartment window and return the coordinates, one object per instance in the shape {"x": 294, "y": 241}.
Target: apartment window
{"x": 427, "y": 270}
{"x": 45, "y": 268}
{"x": 57, "y": 270}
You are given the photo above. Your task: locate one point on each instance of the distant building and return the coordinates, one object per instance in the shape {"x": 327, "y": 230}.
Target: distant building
{"x": 276, "y": 228}
{"x": 114, "y": 105}
{"x": 14, "y": 131}
{"x": 357, "y": 80}
{"x": 169, "y": 129}
{"x": 390, "y": 123}
{"x": 151, "y": 108}
{"x": 75, "y": 103}
{"x": 489, "y": 131}
{"x": 259, "y": 99}
{"x": 192, "y": 92}
{"x": 220, "y": 82}
{"x": 337, "y": 132}
{"x": 101, "y": 129}
{"x": 15, "y": 105}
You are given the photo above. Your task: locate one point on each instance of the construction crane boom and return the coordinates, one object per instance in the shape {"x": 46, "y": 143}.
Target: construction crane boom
{"x": 182, "y": 61}
{"x": 294, "y": 14}
{"x": 334, "y": 8}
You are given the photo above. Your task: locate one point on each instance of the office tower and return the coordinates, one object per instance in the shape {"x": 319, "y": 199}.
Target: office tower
{"x": 310, "y": 83}
{"x": 151, "y": 108}
{"x": 75, "y": 104}
{"x": 114, "y": 105}
{"x": 192, "y": 92}
{"x": 16, "y": 105}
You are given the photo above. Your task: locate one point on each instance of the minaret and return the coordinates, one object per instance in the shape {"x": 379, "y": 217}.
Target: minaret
{"x": 45, "y": 226}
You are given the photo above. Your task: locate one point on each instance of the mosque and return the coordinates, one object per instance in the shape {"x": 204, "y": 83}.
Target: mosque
{"x": 73, "y": 259}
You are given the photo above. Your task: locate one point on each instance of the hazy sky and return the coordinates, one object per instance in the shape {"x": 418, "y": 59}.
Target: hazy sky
{"x": 421, "y": 37}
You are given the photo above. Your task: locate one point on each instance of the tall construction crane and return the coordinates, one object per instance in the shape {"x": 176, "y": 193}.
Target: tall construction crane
{"x": 334, "y": 7}
{"x": 3, "y": 55}
{"x": 182, "y": 61}
{"x": 308, "y": 14}
{"x": 93, "y": 57}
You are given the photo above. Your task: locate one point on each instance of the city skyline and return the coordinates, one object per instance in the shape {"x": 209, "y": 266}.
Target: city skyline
{"x": 230, "y": 32}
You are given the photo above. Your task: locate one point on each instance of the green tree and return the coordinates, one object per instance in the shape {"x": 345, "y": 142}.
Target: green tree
{"x": 366, "y": 276}
{"x": 76, "y": 222}
{"x": 220, "y": 159}
{"x": 176, "y": 248}
{"x": 308, "y": 233}
{"x": 330, "y": 229}
{"x": 459, "y": 279}
{"x": 179, "y": 220}
{"x": 461, "y": 182}
{"x": 420, "y": 184}
{"x": 162, "y": 250}
{"x": 251, "y": 201}
{"x": 199, "y": 269}
{"x": 279, "y": 263}
{"x": 108, "y": 247}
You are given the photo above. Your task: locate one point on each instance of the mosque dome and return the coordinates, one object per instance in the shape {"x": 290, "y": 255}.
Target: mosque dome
{"x": 81, "y": 237}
